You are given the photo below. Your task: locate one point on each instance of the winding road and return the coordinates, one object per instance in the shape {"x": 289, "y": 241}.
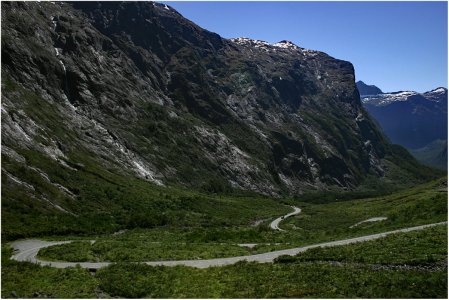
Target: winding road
{"x": 275, "y": 224}
{"x": 28, "y": 249}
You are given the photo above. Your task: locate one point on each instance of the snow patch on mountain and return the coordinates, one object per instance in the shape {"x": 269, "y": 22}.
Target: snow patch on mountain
{"x": 436, "y": 94}
{"x": 286, "y": 45}
{"x": 387, "y": 98}
{"x": 439, "y": 90}
{"x": 267, "y": 47}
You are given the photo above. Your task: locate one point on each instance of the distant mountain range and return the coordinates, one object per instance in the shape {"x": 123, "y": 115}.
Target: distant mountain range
{"x": 417, "y": 121}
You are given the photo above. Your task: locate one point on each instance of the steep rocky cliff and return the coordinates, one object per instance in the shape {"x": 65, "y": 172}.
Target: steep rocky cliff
{"x": 92, "y": 89}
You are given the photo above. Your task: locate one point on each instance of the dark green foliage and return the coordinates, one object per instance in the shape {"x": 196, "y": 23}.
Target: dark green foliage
{"x": 252, "y": 280}
{"x": 316, "y": 223}
{"x": 303, "y": 276}
{"x": 403, "y": 158}
{"x": 284, "y": 279}
{"x": 112, "y": 202}
{"x": 216, "y": 186}
{"x": 424, "y": 247}
{"x": 78, "y": 251}
{"x": 433, "y": 154}
{"x": 27, "y": 280}
{"x": 423, "y": 204}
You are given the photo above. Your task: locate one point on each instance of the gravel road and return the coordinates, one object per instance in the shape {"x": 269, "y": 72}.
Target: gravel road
{"x": 28, "y": 249}
{"x": 275, "y": 224}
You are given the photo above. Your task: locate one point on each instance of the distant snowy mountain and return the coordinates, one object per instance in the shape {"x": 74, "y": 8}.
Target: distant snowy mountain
{"x": 383, "y": 99}
{"x": 413, "y": 120}
{"x": 387, "y": 98}
{"x": 437, "y": 94}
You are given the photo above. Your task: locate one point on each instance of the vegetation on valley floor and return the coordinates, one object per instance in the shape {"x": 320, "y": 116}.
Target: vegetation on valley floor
{"x": 423, "y": 204}
{"x": 366, "y": 270}
{"x": 417, "y": 248}
{"x": 309, "y": 274}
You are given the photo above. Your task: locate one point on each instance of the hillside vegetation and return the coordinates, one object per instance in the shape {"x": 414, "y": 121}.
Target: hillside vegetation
{"x": 423, "y": 204}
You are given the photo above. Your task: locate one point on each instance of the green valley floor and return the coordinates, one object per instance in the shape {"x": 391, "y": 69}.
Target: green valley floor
{"x": 401, "y": 265}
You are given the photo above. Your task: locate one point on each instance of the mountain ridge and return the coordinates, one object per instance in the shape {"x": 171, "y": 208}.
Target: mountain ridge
{"x": 365, "y": 89}
{"x": 95, "y": 94}
{"x": 423, "y": 116}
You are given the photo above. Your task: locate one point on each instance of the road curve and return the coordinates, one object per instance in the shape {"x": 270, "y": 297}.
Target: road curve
{"x": 28, "y": 250}
{"x": 275, "y": 224}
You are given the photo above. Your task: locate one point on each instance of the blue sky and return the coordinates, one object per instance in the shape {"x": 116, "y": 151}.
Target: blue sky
{"x": 394, "y": 45}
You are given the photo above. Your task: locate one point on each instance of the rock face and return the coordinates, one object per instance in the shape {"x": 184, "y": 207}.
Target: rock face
{"x": 411, "y": 119}
{"x": 365, "y": 89}
{"x": 140, "y": 91}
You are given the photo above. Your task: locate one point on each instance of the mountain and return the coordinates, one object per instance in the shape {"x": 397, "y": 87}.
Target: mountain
{"x": 97, "y": 94}
{"x": 433, "y": 154}
{"x": 410, "y": 119}
{"x": 365, "y": 89}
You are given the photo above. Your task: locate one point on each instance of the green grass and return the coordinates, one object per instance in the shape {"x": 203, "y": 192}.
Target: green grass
{"x": 296, "y": 279}
{"x": 285, "y": 279}
{"x": 253, "y": 280}
{"x": 423, "y": 204}
{"x": 27, "y": 280}
{"x": 302, "y": 276}
{"x": 143, "y": 250}
{"x": 422, "y": 247}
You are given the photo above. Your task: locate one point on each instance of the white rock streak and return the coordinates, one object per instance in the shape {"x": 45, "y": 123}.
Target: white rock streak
{"x": 375, "y": 219}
